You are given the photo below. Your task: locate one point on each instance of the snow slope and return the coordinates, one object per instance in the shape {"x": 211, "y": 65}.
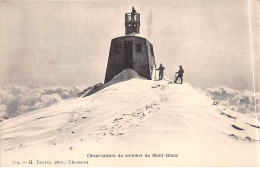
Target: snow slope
{"x": 134, "y": 117}
{"x": 125, "y": 75}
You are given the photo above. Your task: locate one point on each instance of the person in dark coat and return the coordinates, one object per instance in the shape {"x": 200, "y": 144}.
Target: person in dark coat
{"x": 180, "y": 74}
{"x": 161, "y": 68}
{"x": 133, "y": 14}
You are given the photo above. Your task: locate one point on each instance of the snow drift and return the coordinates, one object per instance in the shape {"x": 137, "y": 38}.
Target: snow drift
{"x": 130, "y": 117}
{"x": 125, "y": 75}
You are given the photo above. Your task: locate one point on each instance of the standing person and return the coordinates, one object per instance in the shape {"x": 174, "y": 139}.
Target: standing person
{"x": 161, "y": 68}
{"x": 133, "y": 14}
{"x": 180, "y": 74}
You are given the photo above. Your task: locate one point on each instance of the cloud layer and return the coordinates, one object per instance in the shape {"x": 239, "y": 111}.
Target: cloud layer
{"x": 240, "y": 101}
{"x": 16, "y": 100}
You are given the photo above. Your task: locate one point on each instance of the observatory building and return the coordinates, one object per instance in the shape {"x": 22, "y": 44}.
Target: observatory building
{"x": 131, "y": 51}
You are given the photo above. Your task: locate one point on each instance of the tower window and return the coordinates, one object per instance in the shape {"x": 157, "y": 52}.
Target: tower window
{"x": 138, "y": 48}
{"x": 118, "y": 48}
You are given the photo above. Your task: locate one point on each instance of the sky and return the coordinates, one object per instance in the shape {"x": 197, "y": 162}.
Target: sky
{"x": 67, "y": 42}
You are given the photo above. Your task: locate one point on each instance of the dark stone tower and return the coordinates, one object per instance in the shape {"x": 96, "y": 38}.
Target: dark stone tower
{"x": 131, "y": 51}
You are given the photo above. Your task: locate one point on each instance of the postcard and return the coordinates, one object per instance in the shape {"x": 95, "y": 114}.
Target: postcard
{"x": 139, "y": 83}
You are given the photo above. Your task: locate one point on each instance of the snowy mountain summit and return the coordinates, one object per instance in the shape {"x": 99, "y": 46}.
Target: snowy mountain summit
{"x": 132, "y": 115}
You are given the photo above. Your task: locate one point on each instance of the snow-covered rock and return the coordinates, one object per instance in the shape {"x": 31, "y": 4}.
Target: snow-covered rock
{"x": 3, "y": 117}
